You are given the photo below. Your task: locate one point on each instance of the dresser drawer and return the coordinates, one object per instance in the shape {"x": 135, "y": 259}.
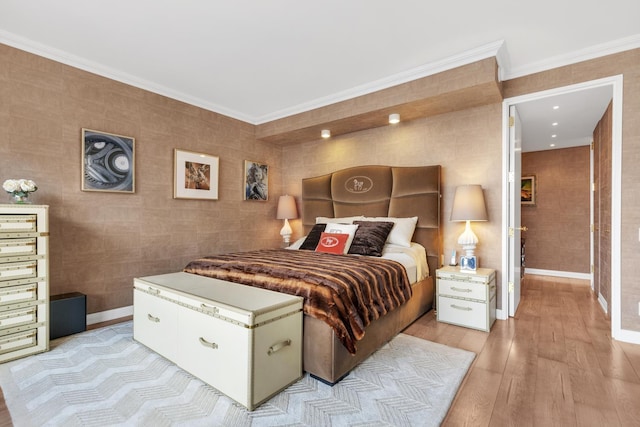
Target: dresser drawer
{"x": 19, "y": 294}
{"x": 18, "y": 317}
{"x": 18, "y": 223}
{"x": 155, "y": 323}
{"x": 18, "y": 270}
{"x": 467, "y": 290}
{"x": 471, "y": 314}
{"x": 17, "y": 247}
{"x": 18, "y": 341}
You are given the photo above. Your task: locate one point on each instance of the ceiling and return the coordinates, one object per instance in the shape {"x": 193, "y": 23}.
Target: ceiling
{"x": 258, "y": 61}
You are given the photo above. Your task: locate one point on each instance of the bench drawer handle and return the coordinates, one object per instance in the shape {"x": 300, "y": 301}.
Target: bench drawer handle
{"x": 461, "y": 289}
{"x": 207, "y": 343}
{"x": 457, "y": 307}
{"x": 153, "y": 318}
{"x": 278, "y": 346}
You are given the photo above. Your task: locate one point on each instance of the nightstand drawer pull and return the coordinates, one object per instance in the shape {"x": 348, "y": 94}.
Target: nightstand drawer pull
{"x": 457, "y": 307}
{"x": 153, "y": 318}
{"x": 154, "y": 291}
{"x": 278, "y": 346}
{"x": 210, "y": 308}
{"x": 207, "y": 343}
{"x": 461, "y": 289}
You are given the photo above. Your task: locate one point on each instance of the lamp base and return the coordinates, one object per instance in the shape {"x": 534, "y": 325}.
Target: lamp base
{"x": 468, "y": 264}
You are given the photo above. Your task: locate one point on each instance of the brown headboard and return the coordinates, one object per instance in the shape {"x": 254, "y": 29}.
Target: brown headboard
{"x": 380, "y": 191}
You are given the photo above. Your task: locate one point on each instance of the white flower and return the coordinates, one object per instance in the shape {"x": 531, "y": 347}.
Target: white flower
{"x": 19, "y": 186}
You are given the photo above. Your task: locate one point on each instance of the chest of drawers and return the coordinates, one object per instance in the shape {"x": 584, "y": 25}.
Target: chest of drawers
{"x": 466, "y": 299}
{"x": 244, "y": 341}
{"x": 24, "y": 280}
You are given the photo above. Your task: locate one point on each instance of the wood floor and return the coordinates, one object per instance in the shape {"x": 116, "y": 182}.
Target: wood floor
{"x": 554, "y": 364}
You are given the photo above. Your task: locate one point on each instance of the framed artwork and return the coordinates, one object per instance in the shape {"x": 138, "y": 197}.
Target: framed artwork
{"x": 195, "y": 175}
{"x": 108, "y": 162}
{"x": 256, "y": 181}
{"x": 528, "y": 190}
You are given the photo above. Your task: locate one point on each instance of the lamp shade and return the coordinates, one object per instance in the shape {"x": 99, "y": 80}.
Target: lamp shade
{"x": 468, "y": 204}
{"x": 286, "y": 208}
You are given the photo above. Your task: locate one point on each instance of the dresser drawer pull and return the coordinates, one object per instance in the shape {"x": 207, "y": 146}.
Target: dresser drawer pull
{"x": 154, "y": 291}
{"x": 153, "y": 318}
{"x": 461, "y": 289}
{"x": 278, "y": 346}
{"x": 207, "y": 343}
{"x": 209, "y": 308}
{"x": 457, "y": 307}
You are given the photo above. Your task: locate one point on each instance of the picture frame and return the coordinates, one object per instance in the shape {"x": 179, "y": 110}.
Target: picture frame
{"x": 256, "y": 181}
{"x": 108, "y": 162}
{"x": 195, "y": 175}
{"x": 528, "y": 190}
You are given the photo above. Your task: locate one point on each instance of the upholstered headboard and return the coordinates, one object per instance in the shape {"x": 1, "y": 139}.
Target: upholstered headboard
{"x": 380, "y": 191}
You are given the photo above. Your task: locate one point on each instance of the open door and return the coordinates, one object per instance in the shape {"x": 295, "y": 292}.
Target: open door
{"x": 515, "y": 175}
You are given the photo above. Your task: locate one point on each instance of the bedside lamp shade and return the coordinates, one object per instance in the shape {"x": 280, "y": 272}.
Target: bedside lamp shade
{"x": 286, "y": 210}
{"x": 468, "y": 205}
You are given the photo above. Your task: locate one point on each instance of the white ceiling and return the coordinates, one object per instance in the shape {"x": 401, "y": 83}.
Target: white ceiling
{"x": 258, "y": 60}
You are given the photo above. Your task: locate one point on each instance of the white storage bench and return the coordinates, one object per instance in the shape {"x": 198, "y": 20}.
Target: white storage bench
{"x": 246, "y": 342}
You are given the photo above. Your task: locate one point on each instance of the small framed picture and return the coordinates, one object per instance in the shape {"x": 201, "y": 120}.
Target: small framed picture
{"x": 256, "y": 181}
{"x": 195, "y": 175}
{"x": 108, "y": 162}
{"x": 528, "y": 190}
{"x": 468, "y": 263}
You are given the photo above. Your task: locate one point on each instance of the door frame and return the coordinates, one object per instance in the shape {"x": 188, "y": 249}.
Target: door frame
{"x": 616, "y": 190}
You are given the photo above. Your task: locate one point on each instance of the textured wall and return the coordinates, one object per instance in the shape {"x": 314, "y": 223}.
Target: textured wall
{"x": 558, "y": 225}
{"x": 100, "y": 241}
{"x": 467, "y": 144}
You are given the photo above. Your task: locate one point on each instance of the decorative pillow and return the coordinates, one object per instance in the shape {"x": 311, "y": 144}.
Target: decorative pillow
{"x": 349, "y": 229}
{"x": 402, "y": 231}
{"x": 344, "y": 220}
{"x": 313, "y": 238}
{"x": 333, "y": 243}
{"x": 370, "y": 237}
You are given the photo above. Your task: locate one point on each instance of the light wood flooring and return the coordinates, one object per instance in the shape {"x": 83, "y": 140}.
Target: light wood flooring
{"x": 554, "y": 364}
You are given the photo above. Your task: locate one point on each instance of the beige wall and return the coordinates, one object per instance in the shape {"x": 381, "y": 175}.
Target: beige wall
{"x": 626, "y": 64}
{"x": 100, "y": 241}
{"x": 467, "y": 144}
{"x": 558, "y": 236}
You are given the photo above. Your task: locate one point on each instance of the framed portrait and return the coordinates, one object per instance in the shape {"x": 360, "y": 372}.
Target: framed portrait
{"x": 195, "y": 175}
{"x": 256, "y": 181}
{"x": 108, "y": 162}
{"x": 528, "y": 190}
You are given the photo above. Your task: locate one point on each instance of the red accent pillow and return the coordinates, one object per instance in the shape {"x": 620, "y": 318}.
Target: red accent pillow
{"x": 332, "y": 243}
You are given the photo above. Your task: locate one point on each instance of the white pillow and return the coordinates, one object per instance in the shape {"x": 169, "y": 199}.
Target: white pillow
{"x": 344, "y": 220}
{"x": 349, "y": 229}
{"x": 402, "y": 231}
{"x": 296, "y": 245}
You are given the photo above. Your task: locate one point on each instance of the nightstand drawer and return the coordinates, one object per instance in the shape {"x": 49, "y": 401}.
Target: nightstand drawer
{"x": 471, "y": 314}
{"x": 467, "y": 290}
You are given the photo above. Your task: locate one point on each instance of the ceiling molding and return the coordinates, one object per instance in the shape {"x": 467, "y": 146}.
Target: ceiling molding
{"x": 592, "y": 52}
{"x": 75, "y": 61}
{"x": 464, "y": 58}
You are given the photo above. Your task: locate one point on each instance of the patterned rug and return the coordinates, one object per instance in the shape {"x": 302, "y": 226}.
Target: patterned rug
{"x": 105, "y": 378}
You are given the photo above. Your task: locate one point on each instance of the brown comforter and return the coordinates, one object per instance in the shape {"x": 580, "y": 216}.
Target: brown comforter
{"x": 345, "y": 291}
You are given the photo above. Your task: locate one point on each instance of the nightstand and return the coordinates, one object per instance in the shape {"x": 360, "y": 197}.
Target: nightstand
{"x": 466, "y": 299}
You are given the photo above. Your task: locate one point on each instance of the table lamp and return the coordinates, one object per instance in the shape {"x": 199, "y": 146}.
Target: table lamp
{"x": 468, "y": 205}
{"x": 286, "y": 210}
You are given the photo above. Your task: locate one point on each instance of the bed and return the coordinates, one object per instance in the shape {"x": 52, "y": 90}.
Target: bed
{"x": 376, "y": 194}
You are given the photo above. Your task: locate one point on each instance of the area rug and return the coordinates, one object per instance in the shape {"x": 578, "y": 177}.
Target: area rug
{"x": 105, "y": 378}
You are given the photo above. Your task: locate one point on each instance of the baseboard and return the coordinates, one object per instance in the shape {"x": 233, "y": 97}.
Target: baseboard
{"x": 603, "y": 303}
{"x": 105, "y": 316}
{"x": 567, "y": 274}
{"x": 625, "y": 335}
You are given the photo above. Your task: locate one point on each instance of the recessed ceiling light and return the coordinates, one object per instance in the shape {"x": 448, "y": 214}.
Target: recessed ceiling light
{"x": 555, "y": 107}
{"x": 554, "y": 135}
{"x": 325, "y": 133}
{"x": 554, "y": 124}
{"x": 394, "y": 118}
{"x": 552, "y": 145}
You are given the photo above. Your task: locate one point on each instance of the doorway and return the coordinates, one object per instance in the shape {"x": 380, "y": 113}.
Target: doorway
{"x": 512, "y": 177}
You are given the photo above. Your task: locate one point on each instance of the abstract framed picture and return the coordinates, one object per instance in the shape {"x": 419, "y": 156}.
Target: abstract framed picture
{"x": 108, "y": 162}
{"x": 256, "y": 181}
{"x": 195, "y": 175}
{"x": 528, "y": 190}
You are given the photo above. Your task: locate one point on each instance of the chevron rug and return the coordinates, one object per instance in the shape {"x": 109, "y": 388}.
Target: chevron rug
{"x": 105, "y": 378}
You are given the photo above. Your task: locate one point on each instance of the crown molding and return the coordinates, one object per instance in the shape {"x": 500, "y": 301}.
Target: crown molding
{"x": 464, "y": 58}
{"x": 592, "y": 52}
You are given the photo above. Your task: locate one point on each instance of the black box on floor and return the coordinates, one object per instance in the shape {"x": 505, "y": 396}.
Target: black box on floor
{"x": 67, "y": 314}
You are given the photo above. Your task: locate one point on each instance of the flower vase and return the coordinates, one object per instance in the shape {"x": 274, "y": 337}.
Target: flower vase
{"x": 20, "y": 198}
